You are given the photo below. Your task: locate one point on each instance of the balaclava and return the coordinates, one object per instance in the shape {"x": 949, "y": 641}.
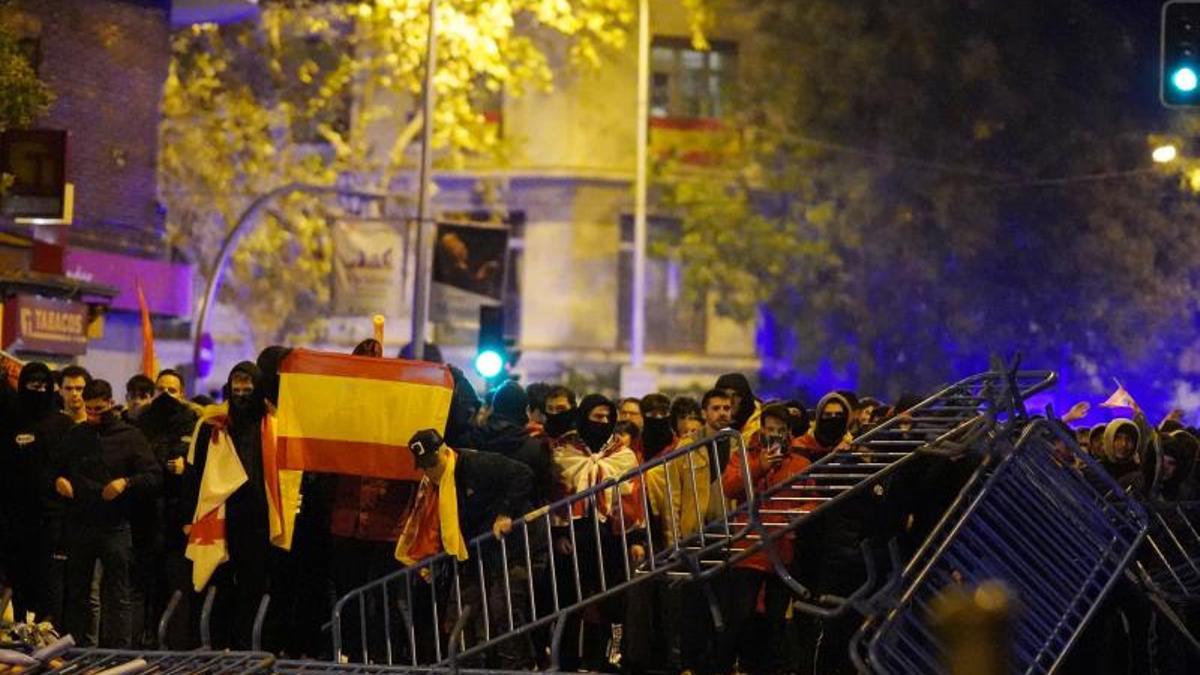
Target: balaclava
{"x": 247, "y": 409}
{"x": 596, "y": 434}
{"x": 830, "y": 431}
{"x": 35, "y": 404}
{"x": 560, "y": 423}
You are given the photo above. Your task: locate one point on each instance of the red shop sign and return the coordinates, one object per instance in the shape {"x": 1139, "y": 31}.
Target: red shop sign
{"x": 45, "y": 325}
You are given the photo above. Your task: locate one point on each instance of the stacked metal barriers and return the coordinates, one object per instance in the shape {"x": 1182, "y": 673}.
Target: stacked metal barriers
{"x": 92, "y": 661}
{"x": 1168, "y": 565}
{"x": 1038, "y": 515}
{"x": 520, "y": 586}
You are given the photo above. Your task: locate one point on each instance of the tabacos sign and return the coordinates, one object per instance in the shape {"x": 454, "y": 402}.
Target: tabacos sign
{"x": 45, "y": 325}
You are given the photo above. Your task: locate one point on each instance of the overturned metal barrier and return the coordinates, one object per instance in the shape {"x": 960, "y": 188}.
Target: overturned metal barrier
{"x": 1038, "y": 516}
{"x": 658, "y": 519}
{"x": 1168, "y": 564}
{"x": 80, "y": 661}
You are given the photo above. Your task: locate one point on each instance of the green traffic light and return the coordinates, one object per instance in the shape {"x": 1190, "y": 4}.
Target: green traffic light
{"x": 489, "y": 363}
{"x": 1184, "y": 79}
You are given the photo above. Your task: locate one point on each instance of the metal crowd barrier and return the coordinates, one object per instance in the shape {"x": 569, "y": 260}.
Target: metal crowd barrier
{"x": 114, "y": 662}
{"x": 528, "y": 581}
{"x": 1168, "y": 564}
{"x": 1038, "y": 515}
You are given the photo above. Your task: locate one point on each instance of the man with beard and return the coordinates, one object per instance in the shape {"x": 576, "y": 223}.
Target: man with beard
{"x": 241, "y": 582}
{"x": 105, "y": 463}
{"x": 158, "y": 540}
{"x": 746, "y": 406}
{"x": 586, "y": 457}
{"x": 31, "y": 552}
{"x": 831, "y": 426}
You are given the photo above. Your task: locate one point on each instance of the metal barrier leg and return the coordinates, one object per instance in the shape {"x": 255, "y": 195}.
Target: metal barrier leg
{"x": 560, "y": 627}
{"x": 206, "y": 618}
{"x": 165, "y": 620}
{"x": 259, "y": 618}
{"x": 456, "y": 637}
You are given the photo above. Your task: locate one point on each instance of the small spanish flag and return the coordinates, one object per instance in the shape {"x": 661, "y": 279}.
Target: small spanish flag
{"x": 1120, "y": 398}
{"x": 353, "y": 415}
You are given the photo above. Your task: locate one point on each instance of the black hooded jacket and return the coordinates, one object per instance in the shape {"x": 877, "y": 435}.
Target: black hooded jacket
{"x": 167, "y": 424}
{"x": 246, "y": 509}
{"x": 33, "y": 432}
{"x": 503, "y": 436}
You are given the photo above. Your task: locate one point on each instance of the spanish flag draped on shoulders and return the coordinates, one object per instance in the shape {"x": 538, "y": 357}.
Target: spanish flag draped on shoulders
{"x": 463, "y": 494}
{"x": 235, "y": 480}
{"x": 591, "y": 455}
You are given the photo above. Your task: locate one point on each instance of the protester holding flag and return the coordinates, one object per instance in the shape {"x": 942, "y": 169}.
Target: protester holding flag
{"x": 230, "y": 438}
{"x": 104, "y": 464}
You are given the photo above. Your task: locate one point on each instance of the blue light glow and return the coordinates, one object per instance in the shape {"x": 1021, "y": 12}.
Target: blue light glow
{"x": 1184, "y": 79}
{"x": 489, "y": 363}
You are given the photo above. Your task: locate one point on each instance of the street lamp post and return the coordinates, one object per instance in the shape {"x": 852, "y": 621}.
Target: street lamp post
{"x": 421, "y": 281}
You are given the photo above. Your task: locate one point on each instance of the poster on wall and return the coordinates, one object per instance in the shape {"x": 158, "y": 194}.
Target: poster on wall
{"x": 368, "y": 277}
{"x": 471, "y": 258}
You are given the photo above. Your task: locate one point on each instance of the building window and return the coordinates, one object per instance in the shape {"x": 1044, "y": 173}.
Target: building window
{"x": 673, "y": 325}
{"x": 688, "y": 83}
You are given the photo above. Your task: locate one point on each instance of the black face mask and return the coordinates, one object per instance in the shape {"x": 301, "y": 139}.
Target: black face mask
{"x": 36, "y": 403}
{"x": 559, "y": 423}
{"x": 831, "y": 430}
{"x": 595, "y": 434}
{"x": 656, "y": 435}
{"x": 241, "y": 402}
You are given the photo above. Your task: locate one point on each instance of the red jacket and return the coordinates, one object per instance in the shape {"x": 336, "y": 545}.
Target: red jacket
{"x": 733, "y": 483}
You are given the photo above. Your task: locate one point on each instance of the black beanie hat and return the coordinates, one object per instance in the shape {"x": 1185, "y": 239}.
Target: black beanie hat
{"x": 510, "y": 402}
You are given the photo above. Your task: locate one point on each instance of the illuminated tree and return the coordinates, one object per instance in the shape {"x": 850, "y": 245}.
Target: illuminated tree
{"x": 910, "y": 152}
{"x": 329, "y": 92}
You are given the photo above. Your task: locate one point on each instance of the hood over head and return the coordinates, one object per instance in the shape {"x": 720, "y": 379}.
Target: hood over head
{"x": 245, "y": 409}
{"x": 1108, "y": 452}
{"x": 464, "y": 404}
{"x": 510, "y": 402}
{"x": 740, "y": 384}
{"x": 830, "y": 431}
{"x": 35, "y": 403}
{"x": 595, "y": 434}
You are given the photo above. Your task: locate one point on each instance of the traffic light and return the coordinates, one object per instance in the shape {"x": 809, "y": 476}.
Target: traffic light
{"x": 1179, "y": 77}
{"x": 492, "y": 357}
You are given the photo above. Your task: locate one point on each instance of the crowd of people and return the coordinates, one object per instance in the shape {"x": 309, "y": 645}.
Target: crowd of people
{"x": 97, "y": 498}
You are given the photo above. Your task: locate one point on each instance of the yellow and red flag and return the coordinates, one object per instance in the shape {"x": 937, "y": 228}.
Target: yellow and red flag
{"x": 223, "y": 475}
{"x": 354, "y": 415}
{"x": 149, "y": 364}
{"x": 282, "y": 487}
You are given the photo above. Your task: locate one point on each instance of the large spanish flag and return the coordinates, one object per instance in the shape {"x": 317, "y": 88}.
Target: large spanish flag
{"x": 354, "y": 415}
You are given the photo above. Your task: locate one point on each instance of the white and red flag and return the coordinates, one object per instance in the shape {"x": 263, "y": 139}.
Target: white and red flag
{"x": 223, "y": 475}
